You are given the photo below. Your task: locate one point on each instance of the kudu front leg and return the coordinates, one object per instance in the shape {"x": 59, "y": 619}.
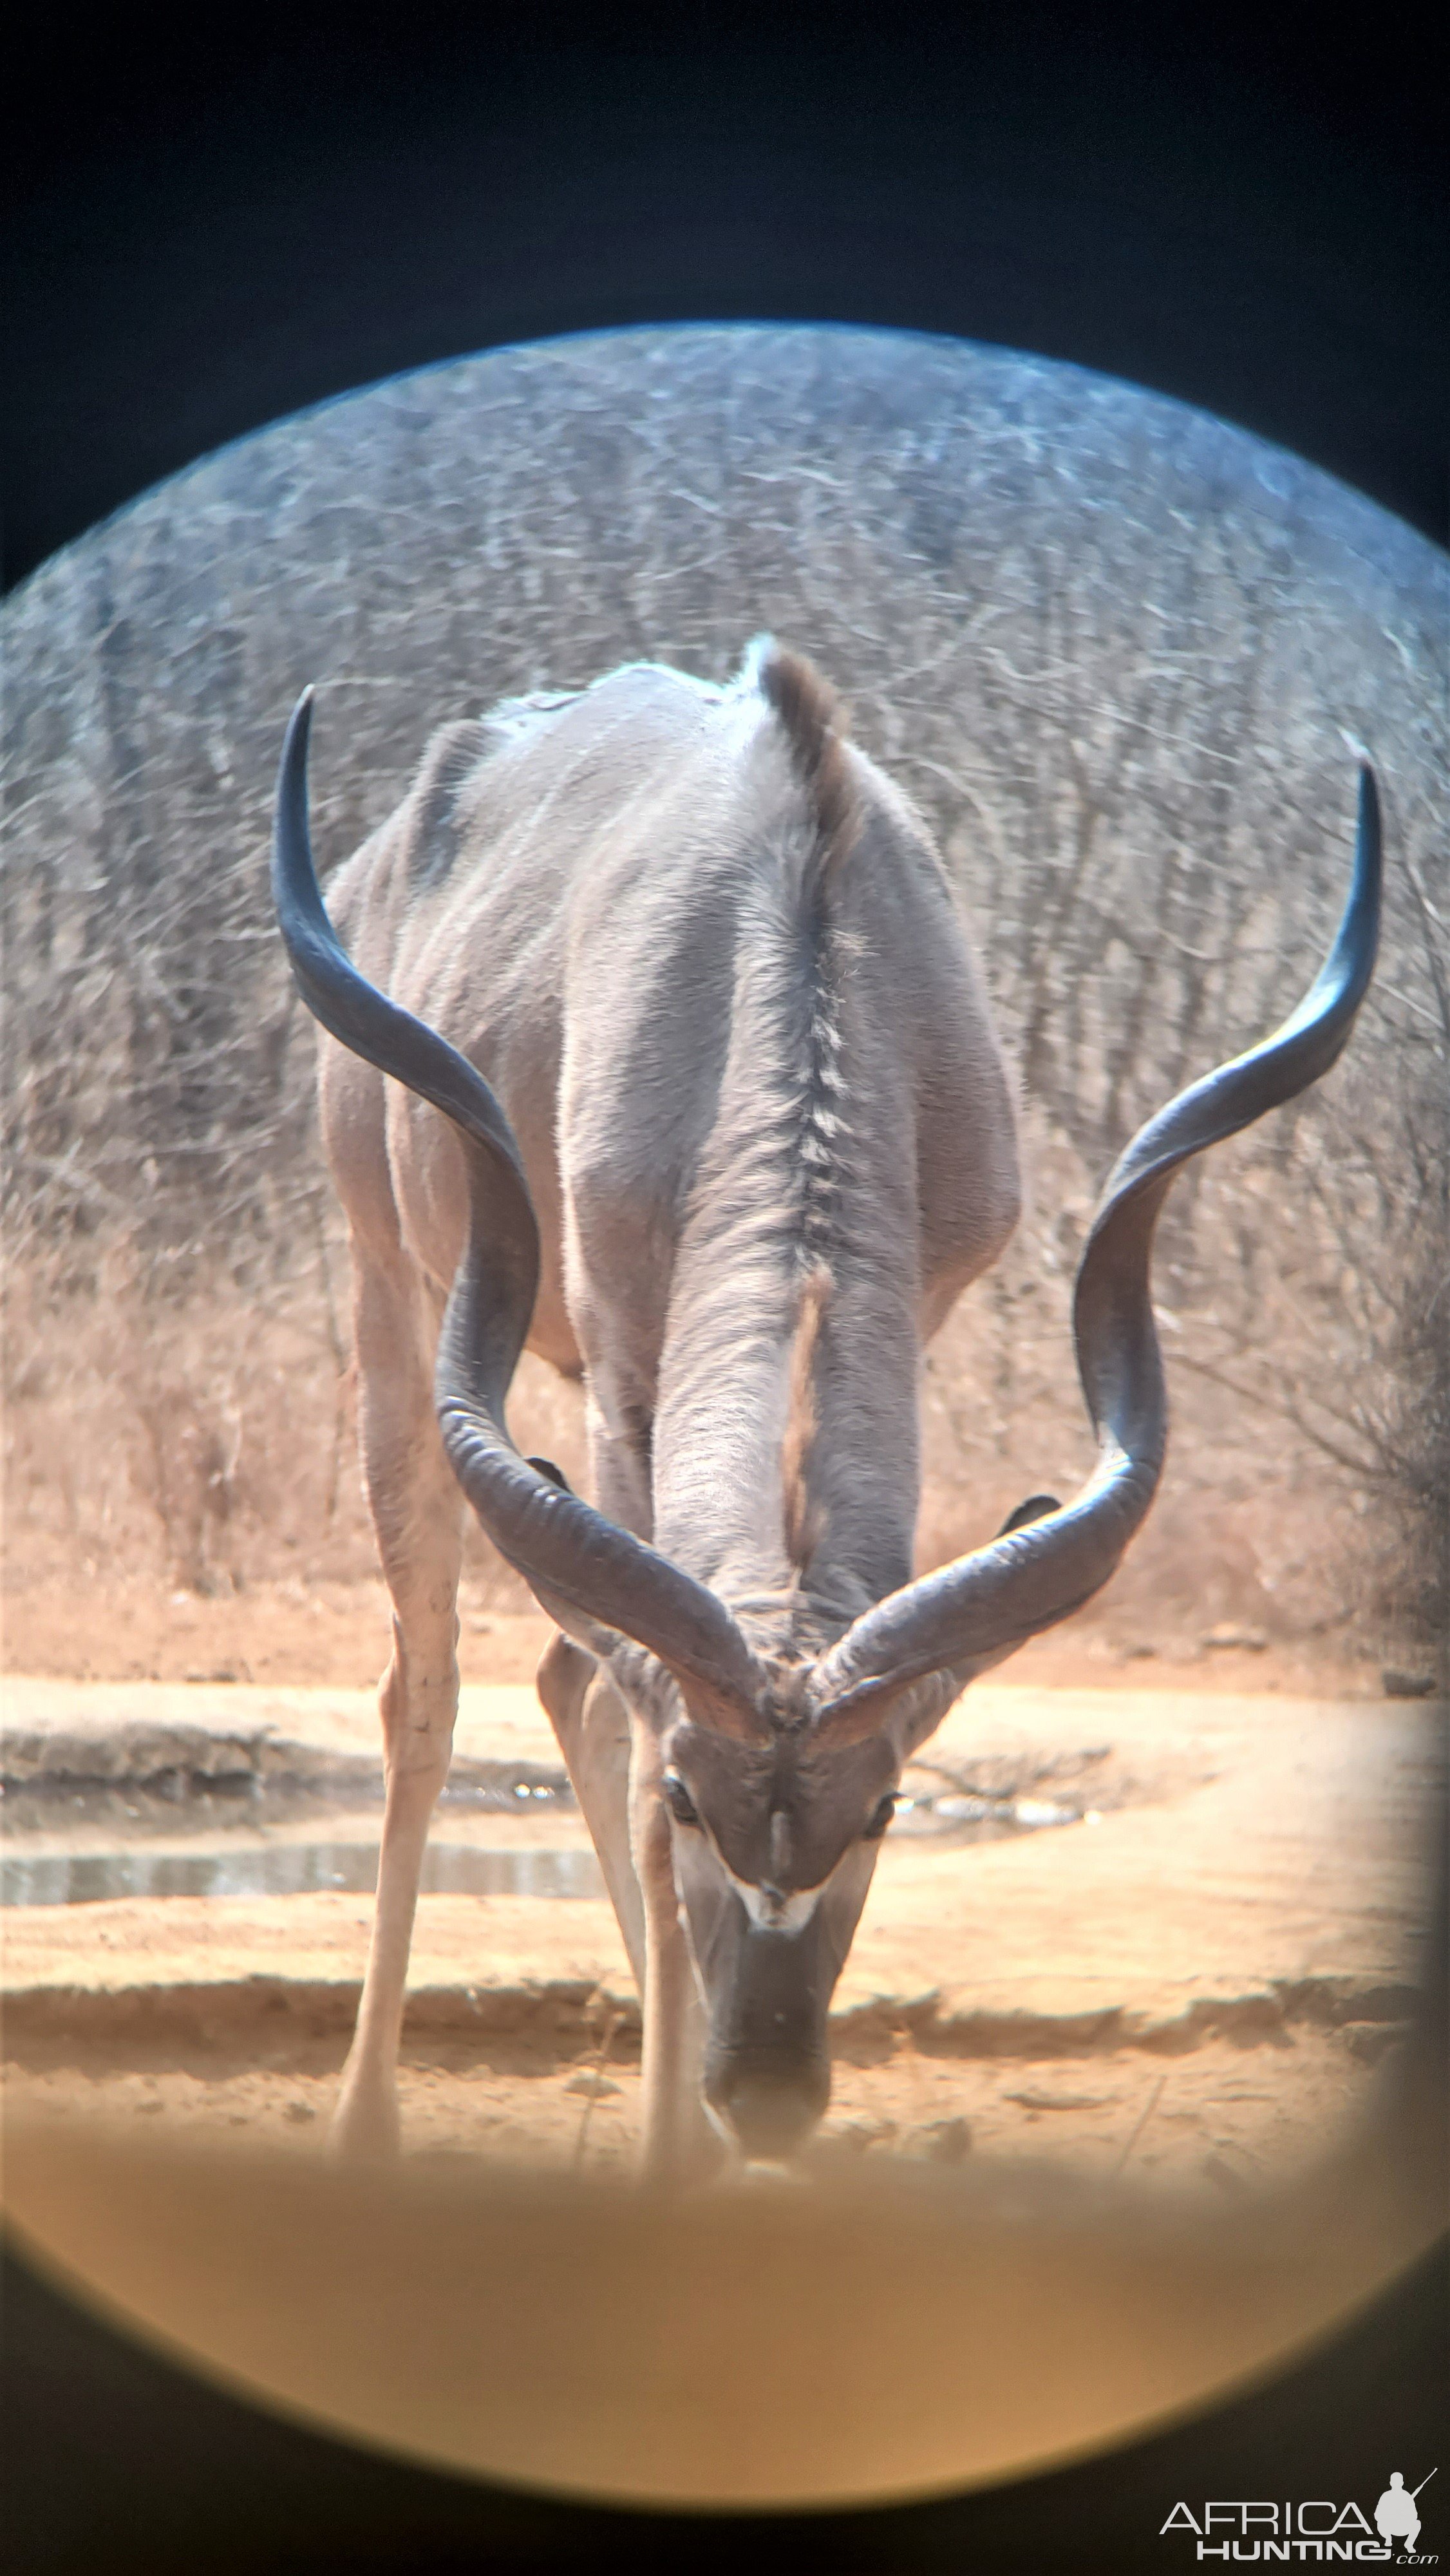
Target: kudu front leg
{"x": 418, "y": 1700}
{"x": 591, "y": 1724}
{"x": 417, "y": 1513}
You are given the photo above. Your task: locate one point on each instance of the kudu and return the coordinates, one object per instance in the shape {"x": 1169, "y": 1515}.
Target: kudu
{"x": 726, "y": 1132}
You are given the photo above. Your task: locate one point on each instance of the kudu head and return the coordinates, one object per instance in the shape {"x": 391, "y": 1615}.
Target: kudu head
{"x": 777, "y": 1769}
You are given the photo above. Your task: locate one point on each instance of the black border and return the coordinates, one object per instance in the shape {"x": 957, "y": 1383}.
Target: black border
{"x": 118, "y": 2461}
{"x": 205, "y": 231}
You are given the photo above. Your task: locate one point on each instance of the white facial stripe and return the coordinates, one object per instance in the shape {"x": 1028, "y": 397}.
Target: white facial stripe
{"x": 775, "y": 1914}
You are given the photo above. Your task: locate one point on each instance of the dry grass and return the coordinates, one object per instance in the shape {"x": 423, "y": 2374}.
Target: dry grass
{"x": 1111, "y": 648}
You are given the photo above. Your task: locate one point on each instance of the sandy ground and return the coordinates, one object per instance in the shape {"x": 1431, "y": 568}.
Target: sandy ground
{"x": 72, "y": 1625}
{"x": 1215, "y": 2119}
{"x": 1205, "y": 1982}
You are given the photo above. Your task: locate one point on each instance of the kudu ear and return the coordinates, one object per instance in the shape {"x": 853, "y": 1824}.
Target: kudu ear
{"x": 1032, "y": 1510}
{"x": 556, "y": 1475}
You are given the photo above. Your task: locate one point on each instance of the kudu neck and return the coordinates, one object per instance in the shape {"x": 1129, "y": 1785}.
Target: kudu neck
{"x": 722, "y": 1464}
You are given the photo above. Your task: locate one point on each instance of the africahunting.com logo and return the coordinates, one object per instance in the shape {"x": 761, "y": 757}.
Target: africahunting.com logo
{"x": 1316, "y": 2531}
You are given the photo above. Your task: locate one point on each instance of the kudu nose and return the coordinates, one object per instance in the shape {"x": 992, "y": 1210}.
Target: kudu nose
{"x": 771, "y": 2110}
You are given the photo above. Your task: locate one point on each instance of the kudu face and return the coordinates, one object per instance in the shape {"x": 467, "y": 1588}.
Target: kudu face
{"x": 774, "y": 1847}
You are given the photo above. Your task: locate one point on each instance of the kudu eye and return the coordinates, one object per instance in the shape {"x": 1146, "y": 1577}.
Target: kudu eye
{"x": 880, "y": 1818}
{"x": 682, "y": 1805}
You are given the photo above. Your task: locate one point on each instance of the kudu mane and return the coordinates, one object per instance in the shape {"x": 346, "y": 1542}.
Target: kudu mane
{"x": 814, "y": 724}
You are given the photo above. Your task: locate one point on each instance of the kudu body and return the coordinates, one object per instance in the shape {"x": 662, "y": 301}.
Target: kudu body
{"x": 727, "y": 1132}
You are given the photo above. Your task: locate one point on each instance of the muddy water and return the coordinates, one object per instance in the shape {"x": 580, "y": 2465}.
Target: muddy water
{"x": 288, "y": 1869}
{"x": 158, "y": 1840}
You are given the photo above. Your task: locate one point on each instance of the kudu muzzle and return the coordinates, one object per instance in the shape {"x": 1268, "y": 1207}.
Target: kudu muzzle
{"x": 767, "y": 1992}
{"x": 767, "y": 2073}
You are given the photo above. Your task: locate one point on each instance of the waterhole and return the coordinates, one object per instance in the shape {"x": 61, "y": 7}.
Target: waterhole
{"x": 91, "y": 1841}
{"x": 288, "y": 1869}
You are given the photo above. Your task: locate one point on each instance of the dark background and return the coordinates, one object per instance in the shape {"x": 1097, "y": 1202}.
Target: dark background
{"x": 208, "y": 230}
{"x": 116, "y": 2462}
{"x": 205, "y": 231}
